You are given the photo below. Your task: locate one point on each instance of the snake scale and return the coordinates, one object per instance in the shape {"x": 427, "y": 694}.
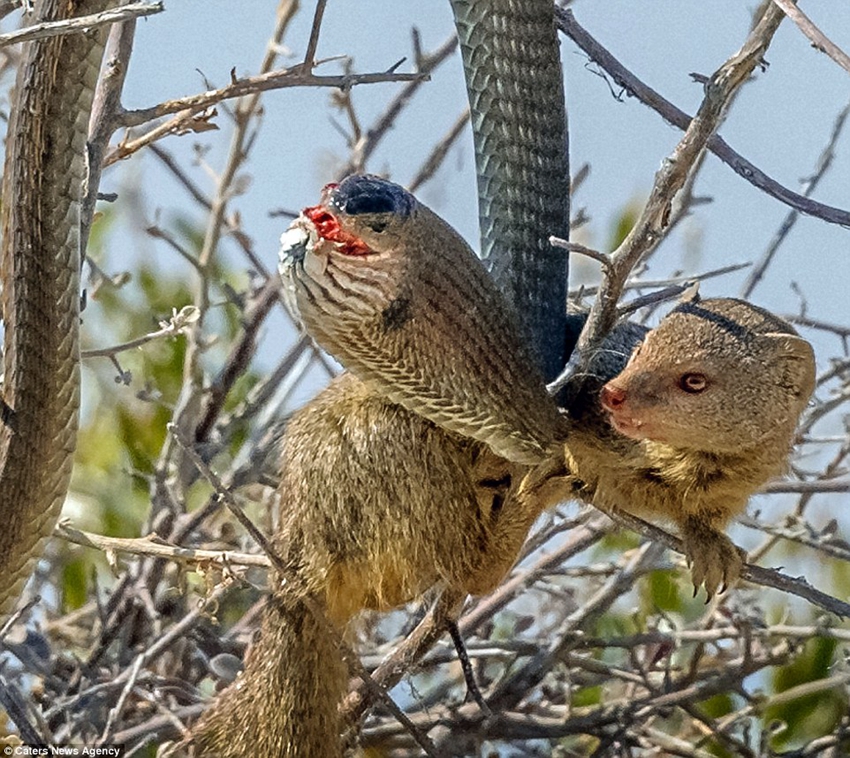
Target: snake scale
{"x": 513, "y": 74}
{"x": 42, "y": 187}
{"x": 516, "y": 97}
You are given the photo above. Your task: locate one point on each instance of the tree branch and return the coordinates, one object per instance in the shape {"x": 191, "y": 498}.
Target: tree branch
{"x": 673, "y": 115}
{"x": 818, "y": 39}
{"x": 80, "y": 24}
{"x": 272, "y": 80}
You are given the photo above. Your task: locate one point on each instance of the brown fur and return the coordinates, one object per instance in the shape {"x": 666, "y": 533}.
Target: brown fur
{"x": 693, "y": 458}
{"x": 444, "y": 510}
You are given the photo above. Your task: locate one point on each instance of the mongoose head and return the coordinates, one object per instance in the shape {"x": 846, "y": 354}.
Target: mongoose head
{"x": 719, "y": 376}
{"x": 398, "y": 297}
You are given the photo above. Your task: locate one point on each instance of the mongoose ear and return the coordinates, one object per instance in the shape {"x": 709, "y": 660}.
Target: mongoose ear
{"x": 799, "y": 359}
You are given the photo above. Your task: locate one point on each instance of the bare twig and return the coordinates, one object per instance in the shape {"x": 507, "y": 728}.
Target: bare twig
{"x": 177, "y": 324}
{"x": 818, "y": 485}
{"x": 436, "y": 157}
{"x": 417, "y": 643}
{"x": 313, "y": 44}
{"x": 106, "y": 110}
{"x": 181, "y": 176}
{"x": 818, "y": 39}
{"x": 252, "y": 85}
{"x": 587, "y": 252}
{"x": 756, "y": 574}
{"x": 12, "y": 702}
{"x": 809, "y": 185}
{"x": 740, "y": 165}
{"x": 239, "y": 357}
{"x": 80, "y": 23}
{"x": 115, "y": 712}
{"x": 371, "y": 137}
{"x": 157, "y": 548}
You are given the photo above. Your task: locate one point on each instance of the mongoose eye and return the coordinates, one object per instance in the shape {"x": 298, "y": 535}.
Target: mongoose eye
{"x": 693, "y": 383}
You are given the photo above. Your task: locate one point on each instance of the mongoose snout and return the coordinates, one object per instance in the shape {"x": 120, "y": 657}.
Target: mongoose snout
{"x": 614, "y": 400}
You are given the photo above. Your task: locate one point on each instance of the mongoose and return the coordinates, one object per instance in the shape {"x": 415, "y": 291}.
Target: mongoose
{"x": 390, "y": 486}
{"x": 385, "y": 494}
{"x": 701, "y": 416}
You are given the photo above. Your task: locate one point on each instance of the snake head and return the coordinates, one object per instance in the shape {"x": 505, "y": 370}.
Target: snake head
{"x": 360, "y": 214}
{"x": 357, "y": 226}
{"x": 370, "y": 198}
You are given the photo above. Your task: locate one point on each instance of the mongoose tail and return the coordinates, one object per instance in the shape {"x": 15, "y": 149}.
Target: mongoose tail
{"x": 377, "y": 505}
{"x": 284, "y": 705}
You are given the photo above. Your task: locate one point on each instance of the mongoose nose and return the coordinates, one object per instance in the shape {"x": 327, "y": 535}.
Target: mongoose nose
{"x": 612, "y": 398}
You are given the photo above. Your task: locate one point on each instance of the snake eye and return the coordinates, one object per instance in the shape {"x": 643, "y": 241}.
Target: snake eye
{"x": 693, "y": 384}
{"x": 378, "y": 226}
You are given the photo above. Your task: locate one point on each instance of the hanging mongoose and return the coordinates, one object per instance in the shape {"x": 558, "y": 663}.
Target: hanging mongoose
{"x": 386, "y": 493}
{"x": 701, "y": 416}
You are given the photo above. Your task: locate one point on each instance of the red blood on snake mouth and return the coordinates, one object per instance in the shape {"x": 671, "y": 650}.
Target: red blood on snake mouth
{"x": 329, "y": 229}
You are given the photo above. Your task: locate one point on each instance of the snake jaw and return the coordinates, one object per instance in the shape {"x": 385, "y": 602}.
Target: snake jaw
{"x": 328, "y": 228}
{"x": 296, "y": 242}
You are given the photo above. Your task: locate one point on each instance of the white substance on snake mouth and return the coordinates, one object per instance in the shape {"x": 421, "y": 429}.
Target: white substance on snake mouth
{"x": 295, "y": 243}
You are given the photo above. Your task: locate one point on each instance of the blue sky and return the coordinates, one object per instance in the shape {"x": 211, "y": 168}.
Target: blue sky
{"x": 781, "y": 122}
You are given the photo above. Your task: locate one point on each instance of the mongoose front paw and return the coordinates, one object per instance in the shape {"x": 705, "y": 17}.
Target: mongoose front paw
{"x": 715, "y": 560}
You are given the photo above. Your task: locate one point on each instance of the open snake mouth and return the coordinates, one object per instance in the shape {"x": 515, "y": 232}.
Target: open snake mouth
{"x": 371, "y": 200}
{"x": 322, "y": 254}
{"x": 328, "y": 228}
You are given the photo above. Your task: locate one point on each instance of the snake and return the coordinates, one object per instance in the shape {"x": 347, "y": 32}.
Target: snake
{"x": 515, "y": 86}
{"x": 395, "y": 294}
{"x": 390, "y": 290}
{"x": 512, "y": 68}
{"x": 43, "y": 180}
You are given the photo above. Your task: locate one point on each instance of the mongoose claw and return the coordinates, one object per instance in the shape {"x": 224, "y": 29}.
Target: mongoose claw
{"x": 715, "y": 561}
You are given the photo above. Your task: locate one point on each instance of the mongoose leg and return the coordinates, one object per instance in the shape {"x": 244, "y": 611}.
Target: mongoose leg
{"x": 714, "y": 559}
